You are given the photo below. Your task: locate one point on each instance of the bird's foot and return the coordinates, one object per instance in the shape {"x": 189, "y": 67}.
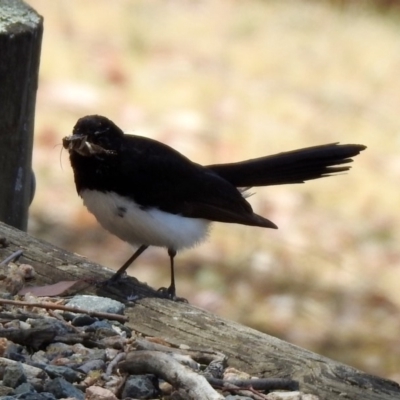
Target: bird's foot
{"x": 169, "y": 293}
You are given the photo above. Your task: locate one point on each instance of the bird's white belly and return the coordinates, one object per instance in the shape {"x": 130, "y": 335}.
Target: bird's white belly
{"x": 152, "y": 227}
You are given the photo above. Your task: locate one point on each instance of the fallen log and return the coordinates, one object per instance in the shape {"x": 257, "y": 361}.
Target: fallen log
{"x": 179, "y": 323}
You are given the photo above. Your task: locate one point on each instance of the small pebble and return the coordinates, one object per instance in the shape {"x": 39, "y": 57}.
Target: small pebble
{"x": 25, "y": 387}
{"x": 117, "y": 326}
{"x": 141, "y": 387}
{"x": 4, "y": 391}
{"x": 35, "y": 396}
{"x": 99, "y": 393}
{"x": 83, "y": 320}
{"x": 40, "y": 358}
{"x": 58, "y": 350}
{"x": 99, "y": 325}
{"x": 97, "y": 304}
{"x": 13, "y": 352}
{"x": 60, "y": 388}
{"x": 14, "y": 375}
{"x": 111, "y": 354}
{"x": 92, "y": 365}
{"x": 55, "y": 371}
{"x": 51, "y": 323}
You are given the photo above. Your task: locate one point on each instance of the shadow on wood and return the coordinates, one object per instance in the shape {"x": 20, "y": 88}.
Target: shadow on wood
{"x": 179, "y": 323}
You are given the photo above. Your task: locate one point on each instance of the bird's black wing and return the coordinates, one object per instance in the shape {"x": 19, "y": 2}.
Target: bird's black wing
{"x": 155, "y": 175}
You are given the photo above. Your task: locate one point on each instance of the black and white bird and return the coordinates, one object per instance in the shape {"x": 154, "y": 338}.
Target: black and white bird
{"x": 149, "y": 194}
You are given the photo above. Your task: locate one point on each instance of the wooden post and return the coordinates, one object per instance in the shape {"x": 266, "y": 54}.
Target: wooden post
{"x": 21, "y": 31}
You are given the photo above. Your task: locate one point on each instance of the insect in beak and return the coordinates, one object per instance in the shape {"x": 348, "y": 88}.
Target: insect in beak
{"x": 80, "y": 144}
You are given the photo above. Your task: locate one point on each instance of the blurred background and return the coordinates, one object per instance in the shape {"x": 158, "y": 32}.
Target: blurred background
{"x": 224, "y": 81}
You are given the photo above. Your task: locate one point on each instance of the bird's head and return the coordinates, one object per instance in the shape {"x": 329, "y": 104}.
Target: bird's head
{"x": 94, "y": 135}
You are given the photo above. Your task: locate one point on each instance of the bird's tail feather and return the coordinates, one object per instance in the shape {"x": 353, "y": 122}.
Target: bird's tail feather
{"x": 295, "y": 166}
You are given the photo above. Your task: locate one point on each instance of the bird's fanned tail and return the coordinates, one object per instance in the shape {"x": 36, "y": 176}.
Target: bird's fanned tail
{"x": 295, "y": 166}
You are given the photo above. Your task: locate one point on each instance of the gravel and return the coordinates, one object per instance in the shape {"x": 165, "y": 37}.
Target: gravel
{"x": 62, "y": 354}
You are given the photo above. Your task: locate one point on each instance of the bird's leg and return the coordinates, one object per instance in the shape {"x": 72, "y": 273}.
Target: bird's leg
{"x": 171, "y": 290}
{"x": 120, "y": 272}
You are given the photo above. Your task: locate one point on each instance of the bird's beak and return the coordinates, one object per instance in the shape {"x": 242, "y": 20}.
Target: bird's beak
{"x": 79, "y": 144}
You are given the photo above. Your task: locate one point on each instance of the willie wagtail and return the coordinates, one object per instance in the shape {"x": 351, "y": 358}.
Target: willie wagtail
{"x": 148, "y": 194}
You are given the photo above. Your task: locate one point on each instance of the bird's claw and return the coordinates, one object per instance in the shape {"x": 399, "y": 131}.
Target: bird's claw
{"x": 169, "y": 293}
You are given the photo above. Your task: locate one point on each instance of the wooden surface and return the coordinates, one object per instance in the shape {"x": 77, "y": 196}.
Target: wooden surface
{"x": 20, "y": 41}
{"x": 179, "y": 323}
